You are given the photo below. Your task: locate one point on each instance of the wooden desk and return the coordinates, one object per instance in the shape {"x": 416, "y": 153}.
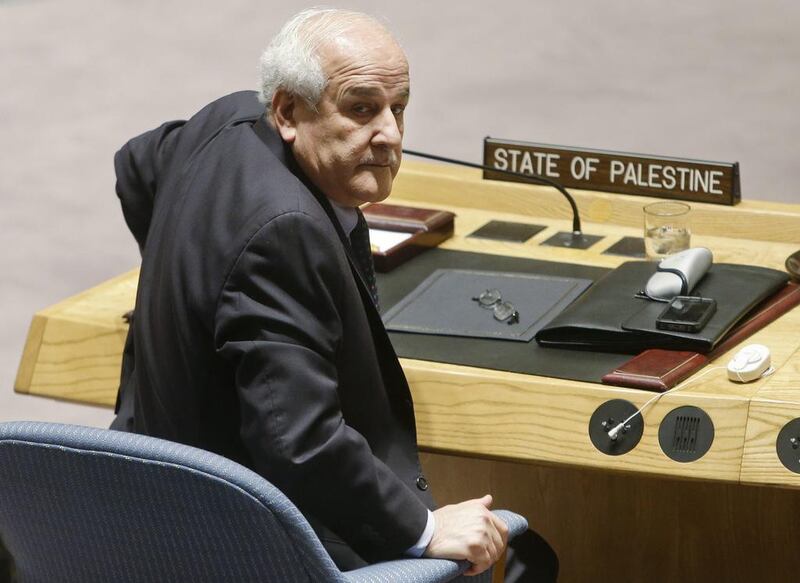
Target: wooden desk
{"x": 525, "y": 438}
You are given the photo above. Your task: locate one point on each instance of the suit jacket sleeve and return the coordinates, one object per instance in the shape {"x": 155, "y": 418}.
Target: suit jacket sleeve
{"x": 138, "y": 164}
{"x": 278, "y": 325}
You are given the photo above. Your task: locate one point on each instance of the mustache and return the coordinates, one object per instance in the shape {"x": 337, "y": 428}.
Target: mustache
{"x": 389, "y": 159}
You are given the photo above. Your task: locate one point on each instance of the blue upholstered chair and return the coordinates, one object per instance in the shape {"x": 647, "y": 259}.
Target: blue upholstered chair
{"x": 93, "y": 505}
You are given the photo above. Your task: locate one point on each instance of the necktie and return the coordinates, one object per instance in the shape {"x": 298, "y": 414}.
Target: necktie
{"x": 359, "y": 242}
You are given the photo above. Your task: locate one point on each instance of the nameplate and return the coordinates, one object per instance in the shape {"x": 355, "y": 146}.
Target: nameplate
{"x": 663, "y": 177}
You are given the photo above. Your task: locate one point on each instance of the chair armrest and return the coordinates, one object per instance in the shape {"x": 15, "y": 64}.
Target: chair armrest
{"x": 516, "y": 523}
{"x": 431, "y": 570}
{"x": 416, "y": 570}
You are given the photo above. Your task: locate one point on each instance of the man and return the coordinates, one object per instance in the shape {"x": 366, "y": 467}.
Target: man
{"x": 256, "y": 334}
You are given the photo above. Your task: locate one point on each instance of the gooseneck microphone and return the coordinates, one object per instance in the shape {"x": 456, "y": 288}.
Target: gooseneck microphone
{"x": 531, "y": 178}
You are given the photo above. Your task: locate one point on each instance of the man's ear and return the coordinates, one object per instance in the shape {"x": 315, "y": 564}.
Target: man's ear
{"x": 283, "y": 115}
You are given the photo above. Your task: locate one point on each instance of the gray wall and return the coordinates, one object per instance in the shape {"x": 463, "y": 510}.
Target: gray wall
{"x": 714, "y": 80}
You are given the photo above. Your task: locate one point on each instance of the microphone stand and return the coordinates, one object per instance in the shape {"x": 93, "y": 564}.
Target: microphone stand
{"x": 575, "y": 240}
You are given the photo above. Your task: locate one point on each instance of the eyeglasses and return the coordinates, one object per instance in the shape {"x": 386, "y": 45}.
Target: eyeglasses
{"x": 492, "y": 299}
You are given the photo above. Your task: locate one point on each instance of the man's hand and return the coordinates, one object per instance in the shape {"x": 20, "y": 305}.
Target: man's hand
{"x": 469, "y": 531}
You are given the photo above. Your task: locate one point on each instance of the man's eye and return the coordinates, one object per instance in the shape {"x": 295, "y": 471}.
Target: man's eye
{"x": 361, "y": 109}
{"x": 398, "y": 109}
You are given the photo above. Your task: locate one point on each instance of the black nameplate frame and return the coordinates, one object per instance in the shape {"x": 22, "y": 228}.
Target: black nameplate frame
{"x": 639, "y": 174}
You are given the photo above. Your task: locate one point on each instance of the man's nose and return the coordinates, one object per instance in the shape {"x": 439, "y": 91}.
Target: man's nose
{"x": 388, "y": 132}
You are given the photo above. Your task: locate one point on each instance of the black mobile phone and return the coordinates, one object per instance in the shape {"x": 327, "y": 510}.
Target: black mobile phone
{"x": 686, "y": 314}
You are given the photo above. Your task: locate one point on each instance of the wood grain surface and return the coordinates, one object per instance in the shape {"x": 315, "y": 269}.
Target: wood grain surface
{"x": 74, "y": 348}
{"x": 630, "y": 528}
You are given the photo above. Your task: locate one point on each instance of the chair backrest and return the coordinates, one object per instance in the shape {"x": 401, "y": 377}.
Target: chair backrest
{"x": 95, "y": 505}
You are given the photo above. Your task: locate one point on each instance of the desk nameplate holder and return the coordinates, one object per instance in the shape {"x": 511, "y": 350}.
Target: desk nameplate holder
{"x": 619, "y": 172}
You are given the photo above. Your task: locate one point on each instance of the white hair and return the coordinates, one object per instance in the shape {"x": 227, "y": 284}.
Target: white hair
{"x": 291, "y": 61}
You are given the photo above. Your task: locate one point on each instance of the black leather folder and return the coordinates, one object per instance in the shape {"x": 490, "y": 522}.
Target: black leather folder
{"x": 610, "y": 318}
{"x": 444, "y": 304}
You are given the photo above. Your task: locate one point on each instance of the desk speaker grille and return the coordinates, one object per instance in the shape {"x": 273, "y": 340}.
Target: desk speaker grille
{"x": 686, "y": 434}
{"x": 685, "y": 437}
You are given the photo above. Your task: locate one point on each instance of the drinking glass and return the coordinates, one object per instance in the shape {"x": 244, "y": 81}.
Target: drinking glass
{"x": 666, "y": 228}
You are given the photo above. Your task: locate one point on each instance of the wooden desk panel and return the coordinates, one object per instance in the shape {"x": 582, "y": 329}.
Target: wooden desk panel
{"x": 526, "y": 418}
{"x": 774, "y": 405}
{"x": 74, "y": 348}
{"x": 629, "y": 528}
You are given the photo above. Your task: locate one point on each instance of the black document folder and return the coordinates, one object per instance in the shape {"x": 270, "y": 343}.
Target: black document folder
{"x": 444, "y": 304}
{"x": 609, "y": 317}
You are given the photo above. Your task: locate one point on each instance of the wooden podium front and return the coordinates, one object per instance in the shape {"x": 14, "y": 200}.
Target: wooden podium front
{"x": 730, "y": 516}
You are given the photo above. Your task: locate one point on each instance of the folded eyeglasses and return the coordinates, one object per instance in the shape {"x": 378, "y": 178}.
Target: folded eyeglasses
{"x": 492, "y": 299}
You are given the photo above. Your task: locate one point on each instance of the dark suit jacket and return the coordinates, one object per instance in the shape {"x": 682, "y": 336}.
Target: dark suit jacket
{"x": 254, "y": 336}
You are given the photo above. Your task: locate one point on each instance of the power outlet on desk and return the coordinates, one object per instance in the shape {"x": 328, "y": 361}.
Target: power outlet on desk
{"x": 788, "y": 446}
{"x": 609, "y": 415}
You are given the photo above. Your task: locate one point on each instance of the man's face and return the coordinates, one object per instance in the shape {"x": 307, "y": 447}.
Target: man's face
{"x": 351, "y": 146}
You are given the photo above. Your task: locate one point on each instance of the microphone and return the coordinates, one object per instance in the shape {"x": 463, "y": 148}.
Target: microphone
{"x": 576, "y": 239}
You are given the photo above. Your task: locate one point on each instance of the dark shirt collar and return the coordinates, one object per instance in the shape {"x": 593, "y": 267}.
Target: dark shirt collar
{"x": 347, "y": 215}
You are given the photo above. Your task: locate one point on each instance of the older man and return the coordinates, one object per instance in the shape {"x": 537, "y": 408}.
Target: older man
{"x": 256, "y": 333}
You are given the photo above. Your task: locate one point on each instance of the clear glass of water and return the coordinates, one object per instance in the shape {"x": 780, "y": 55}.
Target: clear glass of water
{"x": 666, "y": 228}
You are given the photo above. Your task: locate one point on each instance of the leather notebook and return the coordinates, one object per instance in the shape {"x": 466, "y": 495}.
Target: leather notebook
{"x": 660, "y": 370}
{"x": 425, "y": 228}
{"x": 609, "y": 316}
